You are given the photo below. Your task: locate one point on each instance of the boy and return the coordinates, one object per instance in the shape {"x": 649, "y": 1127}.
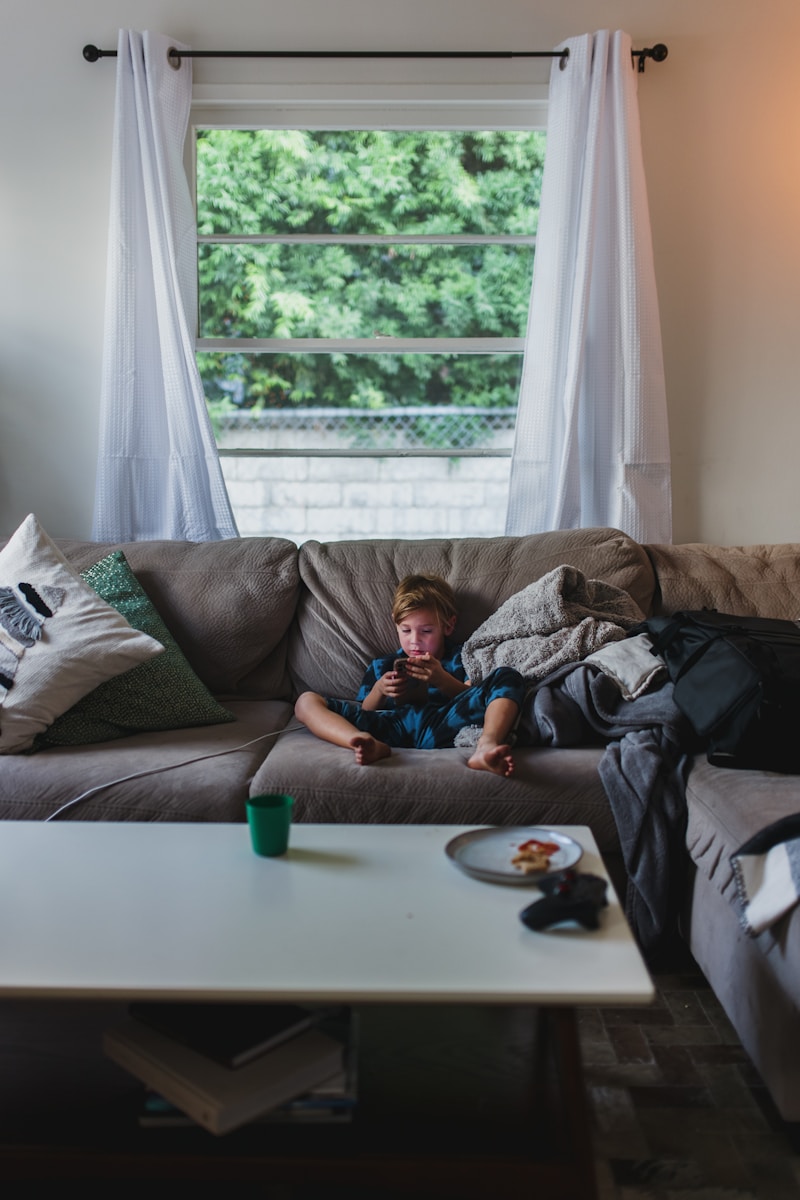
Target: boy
{"x": 420, "y": 696}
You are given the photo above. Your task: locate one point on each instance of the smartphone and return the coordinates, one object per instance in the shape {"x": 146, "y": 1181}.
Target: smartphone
{"x": 400, "y": 666}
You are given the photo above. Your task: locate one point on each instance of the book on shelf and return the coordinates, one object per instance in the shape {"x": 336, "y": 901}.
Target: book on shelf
{"x": 332, "y": 1102}
{"x": 217, "y": 1097}
{"x": 232, "y": 1034}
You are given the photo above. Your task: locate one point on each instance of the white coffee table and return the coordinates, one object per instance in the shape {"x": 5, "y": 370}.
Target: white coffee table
{"x": 352, "y": 913}
{"x": 367, "y": 915}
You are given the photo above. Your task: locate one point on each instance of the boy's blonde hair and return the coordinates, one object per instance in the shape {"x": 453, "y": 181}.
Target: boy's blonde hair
{"x": 424, "y": 591}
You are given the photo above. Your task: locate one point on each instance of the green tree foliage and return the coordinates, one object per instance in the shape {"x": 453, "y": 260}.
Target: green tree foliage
{"x": 290, "y": 182}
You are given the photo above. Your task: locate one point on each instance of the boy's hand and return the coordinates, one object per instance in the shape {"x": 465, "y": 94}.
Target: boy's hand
{"x": 427, "y": 672}
{"x": 394, "y": 684}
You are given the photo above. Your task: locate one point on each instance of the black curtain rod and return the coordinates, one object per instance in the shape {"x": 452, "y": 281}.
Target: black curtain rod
{"x": 658, "y": 53}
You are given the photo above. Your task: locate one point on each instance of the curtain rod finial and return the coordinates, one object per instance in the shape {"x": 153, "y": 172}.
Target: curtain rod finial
{"x": 658, "y": 53}
{"x": 91, "y": 53}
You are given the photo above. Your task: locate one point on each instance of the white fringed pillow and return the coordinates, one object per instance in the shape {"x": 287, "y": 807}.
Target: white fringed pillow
{"x": 58, "y": 639}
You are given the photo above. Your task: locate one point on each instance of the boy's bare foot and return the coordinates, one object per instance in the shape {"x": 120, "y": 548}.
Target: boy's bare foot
{"x": 368, "y": 749}
{"x": 497, "y": 759}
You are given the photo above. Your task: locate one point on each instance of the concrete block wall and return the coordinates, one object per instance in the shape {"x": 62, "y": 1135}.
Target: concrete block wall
{"x": 336, "y": 499}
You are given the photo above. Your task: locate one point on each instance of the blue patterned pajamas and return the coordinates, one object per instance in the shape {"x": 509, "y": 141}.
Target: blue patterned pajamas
{"x": 435, "y": 724}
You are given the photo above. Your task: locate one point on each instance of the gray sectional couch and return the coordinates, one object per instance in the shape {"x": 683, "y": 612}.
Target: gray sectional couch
{"x": 260, "y": 620}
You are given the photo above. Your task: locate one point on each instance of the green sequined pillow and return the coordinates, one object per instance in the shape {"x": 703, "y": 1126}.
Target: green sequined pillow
{"x": 162, "y": 693}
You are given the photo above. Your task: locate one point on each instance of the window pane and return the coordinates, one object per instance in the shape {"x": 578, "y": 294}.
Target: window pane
{"x": 337, "y": 291}
{"x": 273, "y": 181}
{"x": 371, "y": 400}
{"x": 342, "y": 444}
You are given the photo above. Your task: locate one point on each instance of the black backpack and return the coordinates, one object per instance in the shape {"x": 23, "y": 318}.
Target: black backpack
{"x": 737, "y": 681}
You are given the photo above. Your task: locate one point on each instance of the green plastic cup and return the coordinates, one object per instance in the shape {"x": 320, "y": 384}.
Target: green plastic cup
{"x": 270, "y": 818}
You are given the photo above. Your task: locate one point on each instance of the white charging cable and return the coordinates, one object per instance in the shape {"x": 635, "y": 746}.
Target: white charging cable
{"x": 99, "y": 787}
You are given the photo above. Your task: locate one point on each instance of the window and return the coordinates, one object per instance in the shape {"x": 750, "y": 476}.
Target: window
{"x": 363, "y": 296}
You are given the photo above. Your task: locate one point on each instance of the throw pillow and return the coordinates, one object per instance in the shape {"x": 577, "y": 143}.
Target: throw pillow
{"x": 163, "y": 693}
{"x": 58, "y": 638}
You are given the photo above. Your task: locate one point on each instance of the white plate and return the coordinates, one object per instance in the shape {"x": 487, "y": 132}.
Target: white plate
{"x": 487, "y": 853}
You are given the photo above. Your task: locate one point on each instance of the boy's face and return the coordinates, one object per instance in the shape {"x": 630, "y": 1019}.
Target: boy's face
{"x": 422, "y": 632}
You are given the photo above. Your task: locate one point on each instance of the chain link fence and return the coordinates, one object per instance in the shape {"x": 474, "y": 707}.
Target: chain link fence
{"x": 428, "y": 427}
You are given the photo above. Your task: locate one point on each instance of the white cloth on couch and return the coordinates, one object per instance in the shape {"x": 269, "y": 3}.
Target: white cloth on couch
{"x": 632, "y": 665}
{"x": 767, "y": 873}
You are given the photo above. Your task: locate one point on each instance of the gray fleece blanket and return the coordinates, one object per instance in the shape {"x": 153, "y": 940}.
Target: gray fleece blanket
{"x": 546, "y": 631}
{"x": 643, "y": 772}
{"x": 558, "y": 619}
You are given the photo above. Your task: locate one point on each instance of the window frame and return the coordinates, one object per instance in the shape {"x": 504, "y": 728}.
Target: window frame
{"x": 368, "y": 94}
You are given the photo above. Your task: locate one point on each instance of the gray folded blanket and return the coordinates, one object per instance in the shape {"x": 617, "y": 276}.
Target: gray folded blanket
{"x": 558, "y": 619}
{"x": 643, "y": 771}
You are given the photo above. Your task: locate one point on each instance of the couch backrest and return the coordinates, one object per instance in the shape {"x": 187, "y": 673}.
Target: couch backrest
{"x": 228, "y": 604}
{"x": 258, "y": 617}
{"x": 344, "y": 620}
{"x": 760, "y": 580}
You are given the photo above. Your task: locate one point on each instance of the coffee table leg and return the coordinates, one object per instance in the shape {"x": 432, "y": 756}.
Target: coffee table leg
{"x": 558, "y": 1070}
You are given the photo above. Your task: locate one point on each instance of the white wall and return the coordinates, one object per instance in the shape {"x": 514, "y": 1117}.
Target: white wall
{"x": 721, "y": 134}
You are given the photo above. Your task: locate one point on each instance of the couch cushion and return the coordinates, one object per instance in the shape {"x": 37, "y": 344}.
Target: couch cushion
{"x": 228, "y": 604}
{"x": 757, "y": 979}
{"x": 163, "y": 693}
{"x": 58, "y": 639}
{"x": 726, "y": 807}
{"x": 197, "y": 774}
{"x": 344, "y": 617}
{"x": 548, "y": 787}
{"x": 759, "y": 581}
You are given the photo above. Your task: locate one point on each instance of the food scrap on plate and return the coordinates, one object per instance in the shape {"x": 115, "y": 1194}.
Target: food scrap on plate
{"x": 533, "y": 857}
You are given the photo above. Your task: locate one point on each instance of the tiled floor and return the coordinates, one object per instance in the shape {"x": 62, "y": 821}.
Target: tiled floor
{"x": 678, "y": 1111}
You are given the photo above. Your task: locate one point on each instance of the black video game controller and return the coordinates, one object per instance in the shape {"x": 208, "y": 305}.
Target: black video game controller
{"x": 568, "y": 896}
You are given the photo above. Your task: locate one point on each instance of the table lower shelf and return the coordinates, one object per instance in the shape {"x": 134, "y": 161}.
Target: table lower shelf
{"x": 452, "y": 1101}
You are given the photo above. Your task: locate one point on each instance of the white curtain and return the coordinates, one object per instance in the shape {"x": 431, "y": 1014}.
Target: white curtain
{"x": 158, "y": 472}
{"x": 592, "y": 445}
